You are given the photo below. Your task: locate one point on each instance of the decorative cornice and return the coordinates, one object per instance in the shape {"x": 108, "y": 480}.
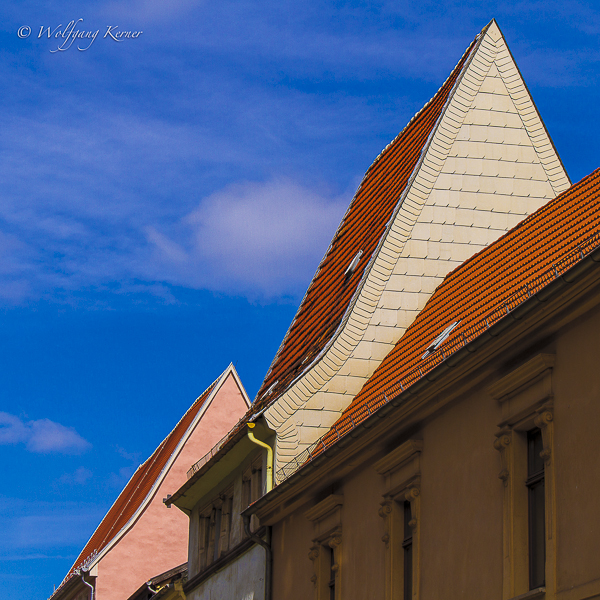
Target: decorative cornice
{"x": 325, "y": 507}
{"x": 521, "y": 377}
{"x": 399, "y": 457}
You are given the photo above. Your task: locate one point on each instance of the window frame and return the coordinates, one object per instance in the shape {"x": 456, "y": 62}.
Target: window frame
{"x": 402, "y": 475}
{"x": 326, "y": 551}
{"x": 526, "y": 400}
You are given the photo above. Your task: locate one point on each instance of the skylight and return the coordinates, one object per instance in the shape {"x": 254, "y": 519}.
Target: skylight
{"x": 354, "y": 263}
{"x": 440, "y": 339}
{"x": 270, "y": 389}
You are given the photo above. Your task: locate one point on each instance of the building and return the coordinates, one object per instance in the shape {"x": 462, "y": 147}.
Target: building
{"x": 466, "y": 467}
{"x": 359, "y": 418}
{"x": 139, "y": 537}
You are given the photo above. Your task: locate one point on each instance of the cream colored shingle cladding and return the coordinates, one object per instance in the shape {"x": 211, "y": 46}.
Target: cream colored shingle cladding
{"x": 488, "y": 164}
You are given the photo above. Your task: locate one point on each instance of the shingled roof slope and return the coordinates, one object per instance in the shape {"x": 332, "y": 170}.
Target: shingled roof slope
{"x": 331, "y": 292}
{"x": 138, "y": 487}
{"x": 480, "y": 292}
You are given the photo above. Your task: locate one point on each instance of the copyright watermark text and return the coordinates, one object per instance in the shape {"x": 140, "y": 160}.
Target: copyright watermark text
{"x": 75, "y": 34}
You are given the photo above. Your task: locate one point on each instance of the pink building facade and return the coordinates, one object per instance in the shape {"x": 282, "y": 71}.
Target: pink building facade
{"x": 139, "y": 536}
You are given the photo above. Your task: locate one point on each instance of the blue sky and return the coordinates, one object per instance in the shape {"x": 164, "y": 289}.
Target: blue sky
{"x": 165, "y": 200}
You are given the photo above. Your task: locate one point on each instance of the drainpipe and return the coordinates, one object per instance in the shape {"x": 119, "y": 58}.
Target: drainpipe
{"x": 82, "y": 573}
{"x": 269, "y": 554}
{"x": 269, "y": 456}
{"x": 258, "y": 540}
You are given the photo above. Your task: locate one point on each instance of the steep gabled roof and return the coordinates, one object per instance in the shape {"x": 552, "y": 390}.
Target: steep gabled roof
{"x": 139, "y": 490}
{"x": 483, "y": 290}
{"x": 333, "y": 288}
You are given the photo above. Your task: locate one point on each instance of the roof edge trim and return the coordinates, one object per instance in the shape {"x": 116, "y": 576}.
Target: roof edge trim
{"x": 472, "y": 49}
{"x": 216, "y": 385}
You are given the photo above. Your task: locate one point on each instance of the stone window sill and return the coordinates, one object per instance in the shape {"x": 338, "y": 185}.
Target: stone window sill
{"x": 531, "y": 594}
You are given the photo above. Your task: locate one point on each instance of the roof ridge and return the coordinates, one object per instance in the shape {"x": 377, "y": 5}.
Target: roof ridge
{"x": 296, "y": 371}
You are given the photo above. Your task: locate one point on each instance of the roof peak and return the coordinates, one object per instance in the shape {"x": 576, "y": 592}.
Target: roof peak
{"x": 149, "y": 475}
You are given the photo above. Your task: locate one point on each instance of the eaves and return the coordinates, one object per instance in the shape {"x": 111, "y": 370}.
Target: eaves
{"x": 215, "y": 473}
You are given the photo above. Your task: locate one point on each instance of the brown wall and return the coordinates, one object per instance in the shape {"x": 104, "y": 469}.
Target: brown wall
{"x": 461, "y": 512}
{"x": 577, "y": 426}
{"x": 461, "y": 502}
{"x": 292, "y": 568}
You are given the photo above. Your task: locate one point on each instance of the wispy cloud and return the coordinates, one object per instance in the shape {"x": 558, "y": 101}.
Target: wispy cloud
{"x": 261, "y": 239}
{"x": 149, "y": 11}
{"x": 42, "y": 436}
{"x": 125, "y": 170}
{"x": 80, "y": 476}
{"x": 119, "y": 479}
{"x": 123, "y": 475}
{"x": 37, "y": 556}
{"x": 32, "y": 528}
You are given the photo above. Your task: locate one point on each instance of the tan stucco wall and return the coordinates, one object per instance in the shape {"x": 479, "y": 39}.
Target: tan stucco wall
{"x": 577, "y": 419}
{"x": 461, "y": 494}
{"x": 292, "y": 568}
{"x": 461, "y": 502}
{"x": 158, "y": 541}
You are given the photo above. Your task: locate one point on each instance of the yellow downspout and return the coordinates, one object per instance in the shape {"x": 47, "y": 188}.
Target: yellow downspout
{"x": 269, "y": 456}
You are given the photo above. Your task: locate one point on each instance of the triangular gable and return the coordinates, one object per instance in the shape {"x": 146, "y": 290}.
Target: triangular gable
{"x": 472, "y": 164}
{"x": 144, "y": 483}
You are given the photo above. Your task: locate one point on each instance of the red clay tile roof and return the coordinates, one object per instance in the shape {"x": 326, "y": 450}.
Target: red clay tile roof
{"x": 330, "y": 293}
{"x": 482, "y": 291}
{"x": 136, "y": 491}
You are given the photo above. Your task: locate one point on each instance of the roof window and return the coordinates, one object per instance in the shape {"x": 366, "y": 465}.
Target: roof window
{"x": 270, "y": 389}
{"x": 440, "y": 339}
{"x": 352, "y": 266}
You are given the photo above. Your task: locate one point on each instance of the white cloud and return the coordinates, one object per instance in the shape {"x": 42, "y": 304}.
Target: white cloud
{"x": 259, "y": 239}
{"x": 18, "y": 557}
{"x": 79, "y": 477}
{"x": 42, "y": 436}
{"x": 32, "y": 527}
{"x": 144, "y": 11}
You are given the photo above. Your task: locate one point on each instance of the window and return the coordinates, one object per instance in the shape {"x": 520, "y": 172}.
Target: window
{"x": 246, "y": 490}
{"x": 332, "y": 570}
{"x": 257, "y": 481}
{"x": 525, "y": 441}
{"x": 400, "y": 511}
{"x": 407, "y": 546}
{"x": 203, "y": 538}
{"x": 325, "y": 554}
{"x": 253, "y": 486}
{"x": 214, "y": 531}
{"x": 226, "y": 522}
{"x": 536, "y": 509}
{"x": 326, "y": 551}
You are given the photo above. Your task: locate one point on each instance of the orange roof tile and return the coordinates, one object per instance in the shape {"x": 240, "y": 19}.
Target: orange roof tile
{"x": 330, "y": 293}
{"x": 480, "y": 292}
{"x": 138, "y": 487}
